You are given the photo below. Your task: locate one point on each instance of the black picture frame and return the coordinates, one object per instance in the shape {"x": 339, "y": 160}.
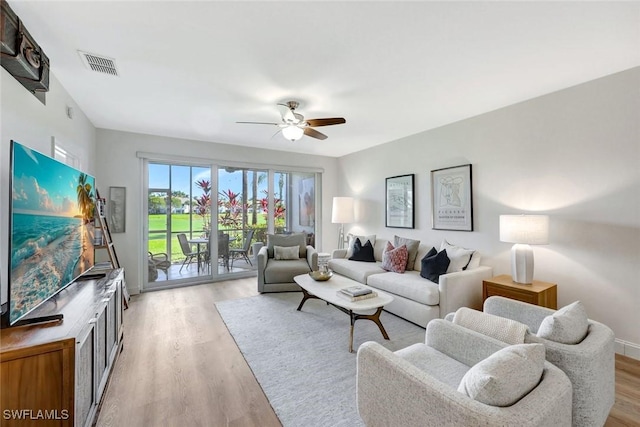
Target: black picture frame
{"x": 400, "y": 201}
{"x": 452, "y": 198}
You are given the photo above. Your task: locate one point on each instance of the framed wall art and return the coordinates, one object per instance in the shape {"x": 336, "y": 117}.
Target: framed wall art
{"x": 451, "y": 199}
{"x": 399, "y": 201}
{"x": 117, "y": 209}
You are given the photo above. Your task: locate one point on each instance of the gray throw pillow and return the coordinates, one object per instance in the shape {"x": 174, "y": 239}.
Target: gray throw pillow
{"x": 412, "y": 247}
{"x": 506, "y": 376}
{"x": 569, "y": 325}
{"x": 286, "y": 252}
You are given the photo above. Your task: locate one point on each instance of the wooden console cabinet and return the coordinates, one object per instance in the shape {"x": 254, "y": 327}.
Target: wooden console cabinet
{"x": 539, "y": 293}
{"x": 54, "y": 374}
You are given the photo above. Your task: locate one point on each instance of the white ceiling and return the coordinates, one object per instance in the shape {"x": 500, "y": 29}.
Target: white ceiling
{"x": 392, "y": 69}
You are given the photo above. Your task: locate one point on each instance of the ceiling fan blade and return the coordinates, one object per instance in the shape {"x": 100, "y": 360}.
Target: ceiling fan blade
{"x": 314, "y": 133}
{"x": 326, "y": 122}
{"x": 288, "y": 116}
{"x": 258, "y": 123}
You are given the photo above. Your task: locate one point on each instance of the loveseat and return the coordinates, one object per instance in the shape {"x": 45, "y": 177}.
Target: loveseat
{"x": 416, "y": 299}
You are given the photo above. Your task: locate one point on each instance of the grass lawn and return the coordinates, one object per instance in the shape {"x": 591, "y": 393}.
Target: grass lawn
{"x": 180, "y": 223}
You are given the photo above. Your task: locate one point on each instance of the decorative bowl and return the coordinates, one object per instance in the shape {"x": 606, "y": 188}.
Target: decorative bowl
{"x": 321, "y": 276}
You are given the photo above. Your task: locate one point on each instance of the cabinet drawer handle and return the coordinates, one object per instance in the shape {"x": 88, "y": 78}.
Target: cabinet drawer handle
{"x": 94, "y": 320}
{"x": 106, "y": 300}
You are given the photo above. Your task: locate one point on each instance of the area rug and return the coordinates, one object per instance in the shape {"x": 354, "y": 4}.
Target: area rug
{"x": 301, "y": 358}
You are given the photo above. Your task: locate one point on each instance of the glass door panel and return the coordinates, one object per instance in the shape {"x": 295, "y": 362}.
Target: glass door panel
{"x": 295, "y": 203}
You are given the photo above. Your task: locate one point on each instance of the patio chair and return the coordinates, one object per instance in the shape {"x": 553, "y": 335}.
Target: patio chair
{"x": 160, "y": 261}
{"x": 244, "y": 251}
{"x": 187, "y": 251}
{"x": 223, "y": 249}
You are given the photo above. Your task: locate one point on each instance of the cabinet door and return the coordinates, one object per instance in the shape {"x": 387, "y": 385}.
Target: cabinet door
{"x": 112, "y": 327}
{"x": 86, "y": 375}
{"x": 101, "y": 351}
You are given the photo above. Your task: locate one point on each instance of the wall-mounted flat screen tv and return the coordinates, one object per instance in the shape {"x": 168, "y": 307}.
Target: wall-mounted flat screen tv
{"x": 51, "y": 228}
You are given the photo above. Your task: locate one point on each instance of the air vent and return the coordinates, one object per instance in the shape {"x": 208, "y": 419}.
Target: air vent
{"x": 100, "y": 64}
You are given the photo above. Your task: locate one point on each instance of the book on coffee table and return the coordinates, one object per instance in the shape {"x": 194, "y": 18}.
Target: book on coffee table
{"x": 348, "y": 297}
{"x": 356, "y": 291}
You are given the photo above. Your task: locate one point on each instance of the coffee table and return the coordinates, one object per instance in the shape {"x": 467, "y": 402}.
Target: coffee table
{"x": 326, "y": 291}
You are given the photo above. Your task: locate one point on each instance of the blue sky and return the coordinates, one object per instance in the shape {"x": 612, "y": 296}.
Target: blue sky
{"x": 42, "y": 185}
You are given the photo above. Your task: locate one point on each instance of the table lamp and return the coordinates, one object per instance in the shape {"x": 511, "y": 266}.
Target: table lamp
{"x": 523, "y": 230}
{"x": 342, "y": 213}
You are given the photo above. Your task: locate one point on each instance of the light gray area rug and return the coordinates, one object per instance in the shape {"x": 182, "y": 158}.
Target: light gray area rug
{"x": 301, "y": 358}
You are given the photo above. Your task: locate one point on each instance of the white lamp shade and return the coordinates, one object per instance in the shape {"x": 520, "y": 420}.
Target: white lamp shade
{"x": 529, "y": 229}
{"x": 342, "y": 212}
{"x": 292, "y": 133}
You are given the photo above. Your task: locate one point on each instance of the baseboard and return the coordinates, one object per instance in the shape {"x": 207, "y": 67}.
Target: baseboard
{"x": 628, "y": 349}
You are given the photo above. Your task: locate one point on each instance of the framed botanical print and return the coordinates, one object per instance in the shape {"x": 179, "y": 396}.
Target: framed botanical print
{"x": 451, "y": 199}
{"x": 399, "y": 201}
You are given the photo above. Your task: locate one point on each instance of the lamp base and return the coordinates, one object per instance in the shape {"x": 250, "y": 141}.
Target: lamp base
{"x": 522, "y": 264}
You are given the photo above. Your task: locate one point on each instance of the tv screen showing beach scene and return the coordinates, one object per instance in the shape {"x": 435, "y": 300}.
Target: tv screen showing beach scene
{"x": 51, "y": 243}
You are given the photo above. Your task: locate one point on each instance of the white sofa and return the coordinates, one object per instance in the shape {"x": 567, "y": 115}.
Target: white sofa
{"x": 415, "y": 298}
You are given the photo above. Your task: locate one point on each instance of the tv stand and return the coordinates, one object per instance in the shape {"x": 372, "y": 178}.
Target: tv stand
{"x": 68, "y": 363}
{"x": 42, "y": 319}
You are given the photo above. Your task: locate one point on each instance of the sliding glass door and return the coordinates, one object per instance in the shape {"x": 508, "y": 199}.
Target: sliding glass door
{"x": 203, "y": 226}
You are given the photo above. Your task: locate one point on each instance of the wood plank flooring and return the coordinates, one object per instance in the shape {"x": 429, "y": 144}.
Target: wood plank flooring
{"x": 180, "y": 366}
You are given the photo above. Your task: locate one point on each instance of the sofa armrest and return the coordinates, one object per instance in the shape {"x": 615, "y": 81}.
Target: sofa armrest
{"x": 339, "y": 253}
{"x": 462, "y": 289}
{"x": 312, "y": 258}
{"x": 263, "y": 256}
{"x": 529, "y": 314}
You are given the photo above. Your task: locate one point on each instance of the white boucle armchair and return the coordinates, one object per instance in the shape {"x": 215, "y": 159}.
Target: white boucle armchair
{"x": 417, "y": 386}
{"x": 590, "y": 364}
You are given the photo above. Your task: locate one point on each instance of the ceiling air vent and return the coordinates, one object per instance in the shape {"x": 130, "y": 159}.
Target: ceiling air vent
{"x": 100, "y": 64}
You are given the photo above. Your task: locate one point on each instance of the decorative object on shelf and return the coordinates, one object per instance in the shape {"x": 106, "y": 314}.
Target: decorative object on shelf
{"x": 321, "y": 276}
{"x": 342, "y": 213}
{"x": 117, "y": 206}
{"x": 452, "y": 199}
{"x": 399, "y": 201}
{"x": 523, "y": 230}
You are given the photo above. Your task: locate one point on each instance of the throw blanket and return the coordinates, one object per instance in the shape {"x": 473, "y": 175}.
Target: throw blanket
{"x": 500, "y": 328}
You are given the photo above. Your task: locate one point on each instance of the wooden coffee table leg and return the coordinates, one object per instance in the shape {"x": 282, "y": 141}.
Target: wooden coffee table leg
{"x": 375, "y": 317}
{"x": 305, "y": 296}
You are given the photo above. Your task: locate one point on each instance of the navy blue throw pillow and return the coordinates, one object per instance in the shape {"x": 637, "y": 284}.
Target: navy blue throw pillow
{"x": 434, "y": 264}
{"x": 362, "y": 252}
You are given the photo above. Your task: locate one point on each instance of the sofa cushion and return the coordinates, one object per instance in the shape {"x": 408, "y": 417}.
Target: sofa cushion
{"x": 283, "y": 271}
{"x": 437, "y": 364}
{"x": 434, "y": 264}
{"x": 286, "y": 252}
{"x": 459, "y": 256}
{"x": 295, "y": 239}
{"x": 358, "y": 271}
{"x": 506, "y": 376}
{"x": 568, "y": 325}
{"x": 363, "y": 239}
{"x": 395, "y": 258}
{"x": 412, "y": 247}
{"x": 362, "y": 252}
{"x": 408, "y": 285}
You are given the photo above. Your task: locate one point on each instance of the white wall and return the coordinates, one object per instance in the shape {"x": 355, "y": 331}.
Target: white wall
{"x": 117, "y": 165}
{"x": 25, "y": 119}
{"x": 573, "y": 154}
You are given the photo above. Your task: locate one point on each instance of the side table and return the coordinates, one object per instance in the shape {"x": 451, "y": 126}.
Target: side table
{"x": 538, "y": 293}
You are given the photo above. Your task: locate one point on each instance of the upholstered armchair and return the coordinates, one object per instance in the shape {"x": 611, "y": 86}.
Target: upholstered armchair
{"x": 418, "y": 385}
{"x": 589, "y": 364}
{"x": 279, "y": 262}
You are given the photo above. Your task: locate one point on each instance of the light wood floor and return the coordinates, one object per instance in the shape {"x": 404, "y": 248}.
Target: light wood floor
{"x": 180, "y": 366}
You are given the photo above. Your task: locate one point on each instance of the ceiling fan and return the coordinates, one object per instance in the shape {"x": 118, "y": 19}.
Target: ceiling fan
{"x": 294, "y": 125}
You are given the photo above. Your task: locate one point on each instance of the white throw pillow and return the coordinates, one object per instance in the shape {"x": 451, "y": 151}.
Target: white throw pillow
{"x": 569, "y": 325}
{"x": 459, "y": 256}
{"x": 506, "y": 376}
{"x": 363, "y": 241}
{"x": 286, "y": 252}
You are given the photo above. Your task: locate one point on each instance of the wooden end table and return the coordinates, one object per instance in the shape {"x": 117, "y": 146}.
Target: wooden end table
{"x": 538, "y": 293}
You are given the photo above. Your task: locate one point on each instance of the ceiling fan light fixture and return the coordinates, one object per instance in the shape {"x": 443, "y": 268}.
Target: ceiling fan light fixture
{"x": 292, "y": 133}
